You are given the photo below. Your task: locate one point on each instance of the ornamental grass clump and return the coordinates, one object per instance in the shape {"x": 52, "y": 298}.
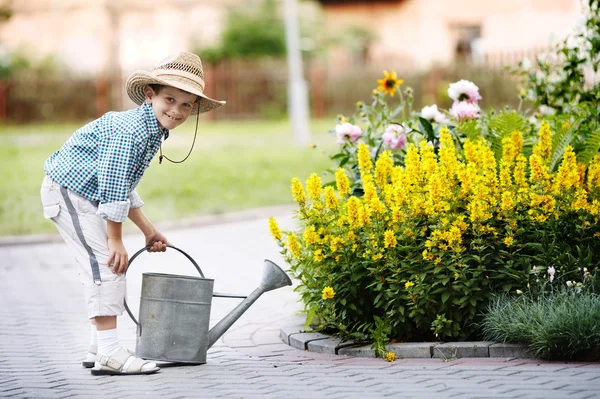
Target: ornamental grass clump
{"x": 558, "y": 325}
{"x": 428, "y": 243}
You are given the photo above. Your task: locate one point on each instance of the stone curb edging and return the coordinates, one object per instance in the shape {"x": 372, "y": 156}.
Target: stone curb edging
{"x": 322, "y": 343}
{"x": 207, "y": 220}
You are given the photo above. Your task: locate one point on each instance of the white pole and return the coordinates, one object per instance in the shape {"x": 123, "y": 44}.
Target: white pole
{"x": 297, "y": 88}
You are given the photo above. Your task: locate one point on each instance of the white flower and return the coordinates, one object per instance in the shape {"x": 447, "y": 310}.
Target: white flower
{"x": 519, "y": 292}
{"x": 526, "y": 64}
{"x": 347, "y": 130}
{"x": 569, "y": 283}
{"x": 534, "y": 269}
{"x": 551, "y": 272}
{"x": 441, "y": 118}
{"x": 463, "y": 110}
{"x": 546, "y": 110}
{"x": 430, "y": 112}
{"x": 464, "y": 90}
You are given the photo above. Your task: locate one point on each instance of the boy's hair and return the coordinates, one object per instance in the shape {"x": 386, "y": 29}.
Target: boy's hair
{"x": 156, "y": 88}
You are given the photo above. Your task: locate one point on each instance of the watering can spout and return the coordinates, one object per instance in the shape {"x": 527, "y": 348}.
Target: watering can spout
{"x": 273, "y": 277}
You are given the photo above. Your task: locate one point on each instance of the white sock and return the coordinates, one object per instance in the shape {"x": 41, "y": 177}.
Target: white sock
{"x": 94, "y": 335}
{"x": 108, "y": 342}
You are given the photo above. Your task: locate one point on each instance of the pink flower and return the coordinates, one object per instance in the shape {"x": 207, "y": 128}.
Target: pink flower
{"x": 463, "y": 110}
{"x": 395, "y": 136}
{"x": 464, "y": 90}
{"x": 347, "y": 130}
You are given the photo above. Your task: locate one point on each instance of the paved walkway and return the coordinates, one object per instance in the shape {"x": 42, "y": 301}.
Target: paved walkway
{"x": 44, "y": 333}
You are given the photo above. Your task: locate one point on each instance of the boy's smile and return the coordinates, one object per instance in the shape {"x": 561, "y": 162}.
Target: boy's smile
{"x": 171, "y": 106}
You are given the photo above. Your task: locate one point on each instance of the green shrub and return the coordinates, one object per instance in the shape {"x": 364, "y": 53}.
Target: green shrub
{"x": 563, "y": 324}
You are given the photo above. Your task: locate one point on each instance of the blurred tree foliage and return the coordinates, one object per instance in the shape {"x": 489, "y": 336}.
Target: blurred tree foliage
{"x": 250, "y": 32}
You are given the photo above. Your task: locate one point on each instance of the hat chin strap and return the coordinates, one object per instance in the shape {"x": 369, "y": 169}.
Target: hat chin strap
{"x": 161, "y": 156}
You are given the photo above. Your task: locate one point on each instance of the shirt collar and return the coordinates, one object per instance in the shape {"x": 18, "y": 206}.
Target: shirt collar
{"x": 152, "y": 122}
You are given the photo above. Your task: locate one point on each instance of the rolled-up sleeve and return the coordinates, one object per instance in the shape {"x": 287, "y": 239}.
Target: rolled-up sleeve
{"x": 135, "y": 201}
{"x": 115, "y": 168}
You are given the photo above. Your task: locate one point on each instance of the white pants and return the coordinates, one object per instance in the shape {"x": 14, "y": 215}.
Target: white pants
{"x": 85, "y": 233}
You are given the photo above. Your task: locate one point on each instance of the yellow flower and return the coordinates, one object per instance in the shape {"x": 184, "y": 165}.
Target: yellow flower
{"x": 409, "y": 284}
{"x": 364, "y": 159}
{"x": 353, "y": 209}
{"x": 275, "y": 232}
{"x": 331, "y": 201}
{"x": 383, "y": 168}
{"x": 389, "y": 240}
{"x": 298, "y": 191}
{"x": 342, "y": 182}
{"x": 293, "y": 245}
{"x": 390, "y": 356}
{"x": 327, "y": 293}
{"x": 313, "y": 187}
{"x": 390, "y": 83}
{"x": 318, "y": 255}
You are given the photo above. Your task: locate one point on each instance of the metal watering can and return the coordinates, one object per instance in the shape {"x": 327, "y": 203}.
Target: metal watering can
{"x": 175, "y": 312}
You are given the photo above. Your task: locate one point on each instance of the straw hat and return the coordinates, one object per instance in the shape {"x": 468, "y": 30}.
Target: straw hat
{"x": 183, "y": 71}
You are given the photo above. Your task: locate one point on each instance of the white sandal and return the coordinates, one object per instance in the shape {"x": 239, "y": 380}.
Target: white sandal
{"x": 92, "y": 352}
{"x": 122, "y": 363}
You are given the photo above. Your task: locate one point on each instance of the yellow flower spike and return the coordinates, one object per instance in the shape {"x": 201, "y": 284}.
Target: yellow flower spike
{"x": 543, "y": 148}
{"x": 331, "y": 201}
{"x": 389, "y": 239}
{"x": 342, "y": 183}
{"x": 274, "y": 228}
{"x": 364, "y": 159}
{"x": 353, "y": 210}
{"x": 293, "y": 245}
{"x": 369, "y": 188}
{"x": 313, "y": 187}
{"x": 383, "y": 168}
{"x": 298, "y": 191}
{"x": 390, "y": 356}
{"x": 390, "y": 83}
{"x": 327, "y": 293}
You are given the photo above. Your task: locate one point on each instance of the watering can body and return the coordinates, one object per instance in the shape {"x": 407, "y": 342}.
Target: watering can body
{"x": 174, "y": 318}
{"x": 174, "y": 313}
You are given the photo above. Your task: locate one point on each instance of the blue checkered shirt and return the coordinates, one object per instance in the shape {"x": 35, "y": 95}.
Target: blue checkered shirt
{"x": 105, "y": 160}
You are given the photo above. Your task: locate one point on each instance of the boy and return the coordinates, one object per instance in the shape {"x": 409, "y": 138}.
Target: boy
{"x": 89, "y": 191}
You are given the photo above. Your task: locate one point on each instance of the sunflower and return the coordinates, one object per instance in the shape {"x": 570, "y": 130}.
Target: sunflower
{"x": 390, "y": 83}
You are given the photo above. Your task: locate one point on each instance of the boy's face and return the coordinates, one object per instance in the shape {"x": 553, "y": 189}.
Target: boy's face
{"x": 171, "y": 106}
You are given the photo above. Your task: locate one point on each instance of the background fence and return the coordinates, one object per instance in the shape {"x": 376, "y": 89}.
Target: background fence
{"x": 258, "y": 89}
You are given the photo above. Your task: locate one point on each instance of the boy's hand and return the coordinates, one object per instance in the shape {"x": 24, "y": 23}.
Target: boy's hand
{"x": 158, "y": 241}
{"x": 118, "y": 259}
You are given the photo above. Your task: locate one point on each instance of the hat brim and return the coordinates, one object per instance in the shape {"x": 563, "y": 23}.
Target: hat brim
{"x": 137, "y": 82}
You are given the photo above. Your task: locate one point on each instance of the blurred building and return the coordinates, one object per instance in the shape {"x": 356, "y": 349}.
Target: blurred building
{"x": 94, "y": 36}
{"x": 419, "y": 33}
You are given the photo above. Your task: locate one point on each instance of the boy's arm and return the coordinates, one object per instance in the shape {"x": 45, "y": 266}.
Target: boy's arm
{"x": 118, "y": 259}
{"x": 153, "y": 236}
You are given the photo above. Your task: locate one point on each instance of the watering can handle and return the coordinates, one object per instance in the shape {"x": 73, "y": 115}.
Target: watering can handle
{"x": 145, "y": 249}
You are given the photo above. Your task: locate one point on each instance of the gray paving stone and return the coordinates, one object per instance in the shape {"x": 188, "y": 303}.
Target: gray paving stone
{"x": 409, "y": 350}
{"x": 301, "y": 340}
{"x": 357, "y": 351}
{"x": 461, "y": 349}
{"x": 510, "y": 350}
{"x": 285, "y": 332}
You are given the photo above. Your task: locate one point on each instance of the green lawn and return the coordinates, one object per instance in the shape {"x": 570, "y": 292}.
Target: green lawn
{"x": 234, "y": 166}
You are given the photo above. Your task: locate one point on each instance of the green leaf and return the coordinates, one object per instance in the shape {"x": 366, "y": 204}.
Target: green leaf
{"x": 445, "y": 296}
{"x": 592, "y": 145}
{"x": 427, "y": 128}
